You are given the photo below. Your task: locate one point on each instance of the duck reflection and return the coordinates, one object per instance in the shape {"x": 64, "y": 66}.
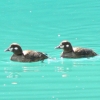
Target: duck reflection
{"x": 16, "y": 70}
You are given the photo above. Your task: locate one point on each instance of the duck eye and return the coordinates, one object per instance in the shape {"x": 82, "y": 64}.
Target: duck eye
{"x": 16, "y": 48}
{"x": 67, "y": 45}
{"x": 62, "y": 46}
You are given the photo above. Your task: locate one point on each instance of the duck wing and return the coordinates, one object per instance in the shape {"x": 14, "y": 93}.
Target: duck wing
{"x": 83, "y": 52}
{"x": 34, "y": 55}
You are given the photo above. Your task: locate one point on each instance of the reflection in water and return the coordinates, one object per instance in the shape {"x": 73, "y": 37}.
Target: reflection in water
{"x": 63, "y": 66}
{"x": 14, "y": 83}
{"x": 13, "y": 75}
{"x": 30, "y": 69}
{"x": 15, "y": 70}
{"x": 63, "y": 69}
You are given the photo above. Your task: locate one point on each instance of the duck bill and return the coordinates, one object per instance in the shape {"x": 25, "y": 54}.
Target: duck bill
{"x": 58, "y": 47}
{"x": 7, "y": 50}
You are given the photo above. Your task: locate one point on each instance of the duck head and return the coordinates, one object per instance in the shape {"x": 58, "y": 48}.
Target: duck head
{"x": 15, "y": 48}
{"x": 66, "y": 46}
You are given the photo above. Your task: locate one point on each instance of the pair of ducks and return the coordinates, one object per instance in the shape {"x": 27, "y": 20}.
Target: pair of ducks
{"x": 34, "y": 56}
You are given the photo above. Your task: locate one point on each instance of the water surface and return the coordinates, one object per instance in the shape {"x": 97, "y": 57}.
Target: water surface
{"x": 41, "y": 25}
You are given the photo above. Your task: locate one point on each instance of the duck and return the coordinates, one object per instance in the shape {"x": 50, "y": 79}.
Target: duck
{"x": 74, "y": 52}
{"x": 20, "y": 55}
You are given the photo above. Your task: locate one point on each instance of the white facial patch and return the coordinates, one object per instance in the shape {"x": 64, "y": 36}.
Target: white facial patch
{"x": 16, "y": 48}
{"x": 67, "y": 46}
{"x": 62, "y": 46}
{"x": 10, "y": 49}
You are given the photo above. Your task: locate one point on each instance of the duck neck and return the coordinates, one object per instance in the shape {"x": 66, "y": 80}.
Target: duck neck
{"x": 68, "y": 50}
{"x": 18, "y": 52}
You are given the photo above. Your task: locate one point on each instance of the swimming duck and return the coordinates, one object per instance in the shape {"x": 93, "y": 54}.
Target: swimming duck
{"x": 74, "y": 52}
{"x": 26, "y": 55}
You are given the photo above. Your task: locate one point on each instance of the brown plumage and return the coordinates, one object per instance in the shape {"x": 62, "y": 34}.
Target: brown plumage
{"x": 26, "y": 55}
{"x": 74, "y": 52}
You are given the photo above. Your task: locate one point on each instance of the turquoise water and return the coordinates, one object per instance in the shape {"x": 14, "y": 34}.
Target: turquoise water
{"x": 41, "y": 25}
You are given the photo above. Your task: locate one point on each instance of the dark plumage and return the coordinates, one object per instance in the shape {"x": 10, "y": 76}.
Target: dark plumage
{"x": 26, "y": 55}
{"x": 74, "y": 52}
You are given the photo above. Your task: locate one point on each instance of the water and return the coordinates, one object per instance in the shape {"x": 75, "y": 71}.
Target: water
{"x": 41, "y": 25}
